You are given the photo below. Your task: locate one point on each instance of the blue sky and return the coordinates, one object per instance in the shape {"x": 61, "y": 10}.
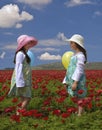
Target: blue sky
{"x": 50, "y": 21}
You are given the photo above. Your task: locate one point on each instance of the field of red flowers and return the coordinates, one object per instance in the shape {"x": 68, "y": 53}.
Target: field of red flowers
{"x": 50, "y": 104}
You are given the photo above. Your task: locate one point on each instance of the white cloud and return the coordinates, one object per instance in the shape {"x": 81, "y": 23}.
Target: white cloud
{"x": 61, "y": 36}
{"x": 50, "y": 49}
{"x": 18, "y": 25}
{"x": 97, "y": 13}
{"x": 10, "y": 47}
{"x": 50, "y": 42}
{"x": 37, "y": 4}
{"x": 13, "y": 17}
{"x": 47, "y": 56}
{"x": 2, "y": 55}
{"x": 72, "y": 3}
{"x": 8, "y": 33}
{"x": 59, "y": 40}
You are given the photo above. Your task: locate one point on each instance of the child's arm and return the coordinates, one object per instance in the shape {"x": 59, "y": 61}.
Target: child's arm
{"x": 74, "y": 85}
{"x": 18, "y": 69}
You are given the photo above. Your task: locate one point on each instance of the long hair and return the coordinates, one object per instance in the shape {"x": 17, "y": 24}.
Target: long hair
{"x": 26, "y": 56}
{"x": 83, "y": 51}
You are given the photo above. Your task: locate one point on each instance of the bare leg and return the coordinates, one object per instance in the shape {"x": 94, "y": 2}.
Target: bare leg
{"x": 25, "y": 101}
{"x": 80, "y": 110}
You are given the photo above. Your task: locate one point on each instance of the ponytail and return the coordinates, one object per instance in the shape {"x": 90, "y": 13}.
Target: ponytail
{"x": 83, "y": 51}
{"x": 85, "y": 54}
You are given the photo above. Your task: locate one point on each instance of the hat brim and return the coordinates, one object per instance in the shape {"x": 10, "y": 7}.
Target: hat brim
{"x": 70, "y": 40}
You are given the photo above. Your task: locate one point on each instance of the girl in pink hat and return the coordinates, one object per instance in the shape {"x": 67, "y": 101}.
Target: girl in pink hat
{"x": 21, "y": 80}
{"x": 75, "y": 79}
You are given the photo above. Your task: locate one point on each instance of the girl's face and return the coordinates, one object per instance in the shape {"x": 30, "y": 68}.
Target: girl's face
{"x": 73, "y": 45}
{"x": 29, "y": 45}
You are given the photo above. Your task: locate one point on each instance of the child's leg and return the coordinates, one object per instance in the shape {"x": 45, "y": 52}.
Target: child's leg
{"x": 25, "y": 102}
{"x": 80, "y": 110}
{"x": 80, "y": 106}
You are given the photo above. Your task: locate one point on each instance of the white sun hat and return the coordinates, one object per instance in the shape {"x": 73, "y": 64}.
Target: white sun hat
{"x": 77, "y": 39}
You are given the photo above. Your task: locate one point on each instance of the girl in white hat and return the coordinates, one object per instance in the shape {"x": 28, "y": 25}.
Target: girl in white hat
{"x": 75, "y": 76}
{"x": 21, "y": 81}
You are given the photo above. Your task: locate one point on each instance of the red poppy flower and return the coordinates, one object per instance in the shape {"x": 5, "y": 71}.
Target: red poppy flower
{"x": 80, "y": 91}
{"x": 71, "y": 109}
{"x": 9, "y": 109}
{"x": 65, "y": 115}
{"x": 38, "y": 115}
{"x": 15, "y": 118}
{"x": 2, "y": 98}
{"x": 14, "y": 100}
{"x": 61, "y": 99}
{"x": 45, "y": 118}
{"x": 57, "y": 112}
{"x": 36, "y": 87}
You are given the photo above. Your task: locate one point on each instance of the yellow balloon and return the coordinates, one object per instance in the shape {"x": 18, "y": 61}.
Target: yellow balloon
{"x": 66, "y": 58}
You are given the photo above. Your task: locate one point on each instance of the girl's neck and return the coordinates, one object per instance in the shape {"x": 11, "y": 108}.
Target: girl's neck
{"x": 77, "y": 51}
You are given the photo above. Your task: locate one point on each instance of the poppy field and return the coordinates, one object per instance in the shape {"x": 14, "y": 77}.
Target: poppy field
{"x": 51, "y": 107}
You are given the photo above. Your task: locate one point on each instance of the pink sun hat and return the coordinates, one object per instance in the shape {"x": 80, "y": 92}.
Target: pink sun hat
{"x": 25, "y": 39}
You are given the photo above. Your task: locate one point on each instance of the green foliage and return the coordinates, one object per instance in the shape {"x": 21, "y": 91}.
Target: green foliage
{"x": 89, "y": 121}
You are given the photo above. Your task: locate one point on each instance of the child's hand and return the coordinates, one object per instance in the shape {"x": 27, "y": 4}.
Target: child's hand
{"x": 74, "y": 85}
